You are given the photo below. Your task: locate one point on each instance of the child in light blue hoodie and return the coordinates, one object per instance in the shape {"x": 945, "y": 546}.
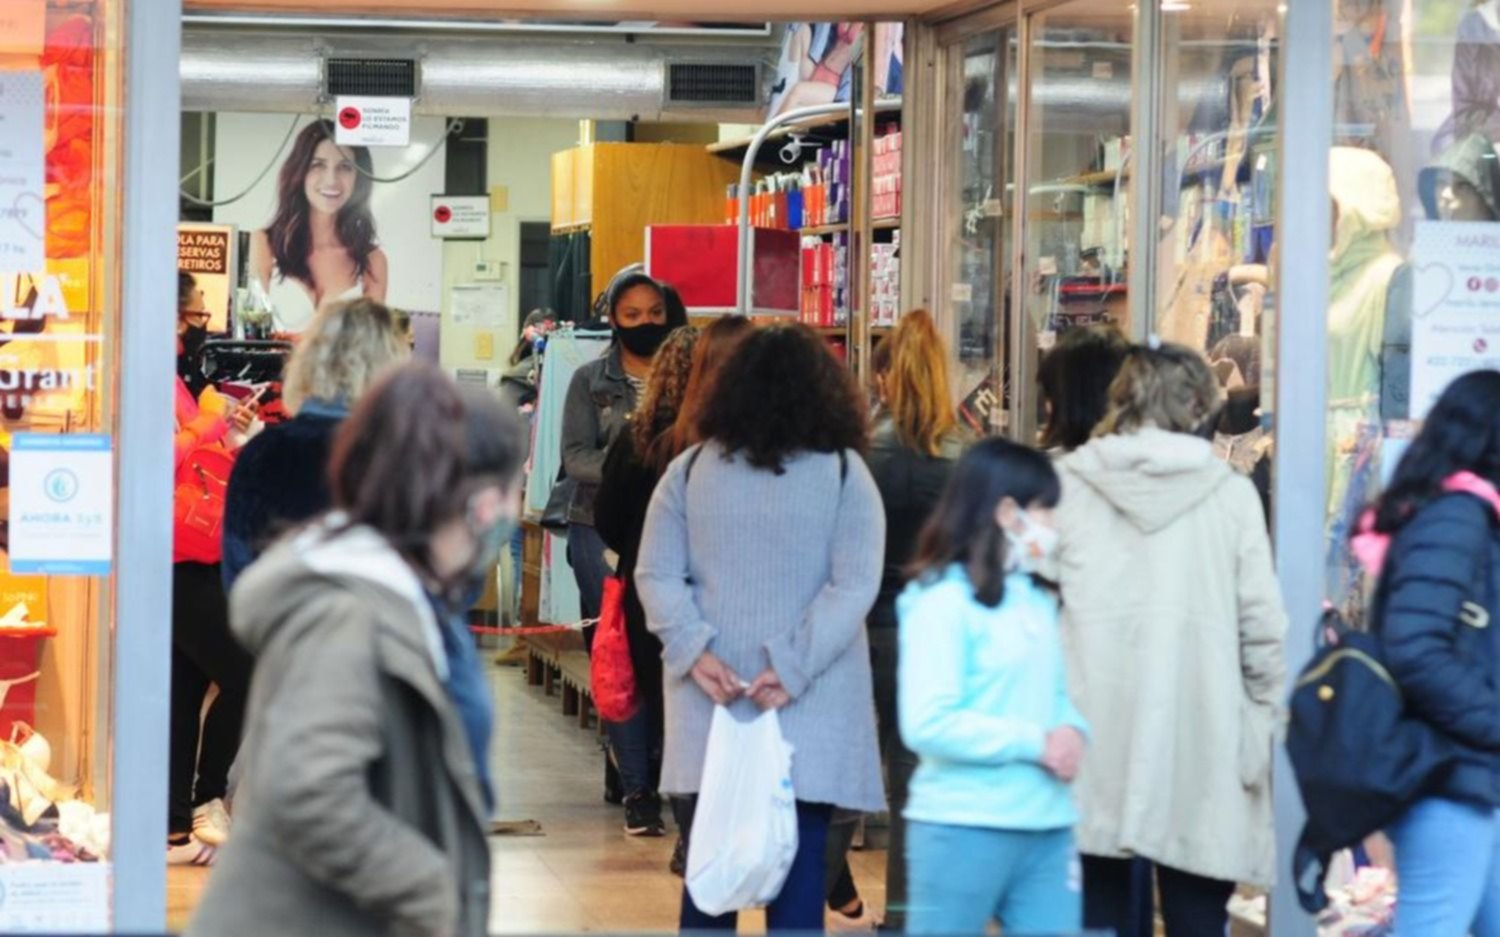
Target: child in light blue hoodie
{"x": 984, "y": 703}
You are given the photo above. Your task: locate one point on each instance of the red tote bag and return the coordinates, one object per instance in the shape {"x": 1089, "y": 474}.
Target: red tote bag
{"x": 610, "y": 670}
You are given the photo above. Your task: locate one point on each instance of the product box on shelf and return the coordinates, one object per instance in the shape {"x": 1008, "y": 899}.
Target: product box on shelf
{"x": 702, "y": 262}
{"x": 885, "y": 283}
{"x": 825, "y": 275}
{"x": 885, "y": 183}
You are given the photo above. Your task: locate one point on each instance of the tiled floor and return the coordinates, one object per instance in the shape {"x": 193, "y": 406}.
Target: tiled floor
{"x": 583, "y": 874}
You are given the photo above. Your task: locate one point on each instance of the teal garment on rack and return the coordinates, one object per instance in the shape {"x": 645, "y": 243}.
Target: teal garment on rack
{"x": 566, "y": 352}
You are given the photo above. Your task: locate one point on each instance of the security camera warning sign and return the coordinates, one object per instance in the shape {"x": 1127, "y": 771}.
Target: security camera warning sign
{"x": 365, "y": 121}
{"x": 461, "y": 216}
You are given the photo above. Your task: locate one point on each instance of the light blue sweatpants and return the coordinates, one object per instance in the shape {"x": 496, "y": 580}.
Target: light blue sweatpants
{"x": 962, "y": 877}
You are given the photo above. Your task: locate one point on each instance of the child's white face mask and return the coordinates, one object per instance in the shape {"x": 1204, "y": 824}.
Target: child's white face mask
{"x": 1032, "y": 545}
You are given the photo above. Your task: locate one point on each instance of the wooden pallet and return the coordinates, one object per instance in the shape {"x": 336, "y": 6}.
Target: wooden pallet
{"x": 558, "y": 664}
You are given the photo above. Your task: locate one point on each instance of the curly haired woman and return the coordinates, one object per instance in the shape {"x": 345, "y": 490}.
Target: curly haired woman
{"x": 767, "y": 609}
{"x": 619, "y": 512}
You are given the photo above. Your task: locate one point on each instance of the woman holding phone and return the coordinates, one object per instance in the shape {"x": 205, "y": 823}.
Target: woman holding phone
{"x": 203, "y": 652}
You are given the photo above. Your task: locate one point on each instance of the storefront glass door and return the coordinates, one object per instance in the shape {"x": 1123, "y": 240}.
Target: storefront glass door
{"x": 1077, "y": 168}
{"x": 978, "y": 216}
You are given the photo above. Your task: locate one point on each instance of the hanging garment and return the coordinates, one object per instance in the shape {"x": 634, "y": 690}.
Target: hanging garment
{"x": 567, "y": 351}
{"x": 1362, "y": 265}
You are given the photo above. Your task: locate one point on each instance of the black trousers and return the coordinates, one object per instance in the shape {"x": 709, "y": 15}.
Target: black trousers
{"x": 1118, "y": 896}
{"x": 204, "y": 654}
{"x": 900, "y": 765}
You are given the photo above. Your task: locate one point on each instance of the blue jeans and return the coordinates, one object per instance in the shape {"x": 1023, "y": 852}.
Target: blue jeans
{"x": 1448, "y": 863}
{"x": 517, "y": 558}
{"x": 629, "y": 742}
{"x": 799, "y": 907}
{"x": 959, "y": 878}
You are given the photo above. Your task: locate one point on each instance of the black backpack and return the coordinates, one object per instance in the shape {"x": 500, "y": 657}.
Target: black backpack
{"x": 1359, "y": 758}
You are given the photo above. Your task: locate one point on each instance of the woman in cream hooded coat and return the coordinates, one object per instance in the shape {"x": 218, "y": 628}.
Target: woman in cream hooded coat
{"x": 1173, "y": 623}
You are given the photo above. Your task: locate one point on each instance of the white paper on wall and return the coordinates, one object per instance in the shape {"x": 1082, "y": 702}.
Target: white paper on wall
{"x": 23, "y": 176}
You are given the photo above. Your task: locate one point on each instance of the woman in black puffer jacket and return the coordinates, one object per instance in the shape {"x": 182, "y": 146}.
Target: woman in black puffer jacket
{"x": 1441, "y": 586}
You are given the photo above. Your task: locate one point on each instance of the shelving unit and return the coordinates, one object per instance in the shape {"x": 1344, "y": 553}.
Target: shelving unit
{"x": 863, "y": 238}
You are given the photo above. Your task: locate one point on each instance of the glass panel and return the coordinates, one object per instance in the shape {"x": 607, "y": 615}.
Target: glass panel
{"x": 1414, "y": 297}
{"x": 976, "y": 282}
{"x": 59, "y": 315}
{"x": 1077, "y": 170}
{"x": 1215, "y": 207}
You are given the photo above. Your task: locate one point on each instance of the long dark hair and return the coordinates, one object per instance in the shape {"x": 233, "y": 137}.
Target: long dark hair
{"x": 963, "y": 529}
{"x": 186, "y": 283}
{"x": 782, "y": 392}
{"x": 715, "y": 345}
{"x": 289, "y": 233}
{"x": 415, "y": 450}
{"x": 1460, "y": 434}
{"x": 1074, "y": 379}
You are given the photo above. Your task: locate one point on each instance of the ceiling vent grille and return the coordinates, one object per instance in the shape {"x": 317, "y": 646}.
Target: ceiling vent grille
{"x": 713, "y": 84}
{"x": 392, "y": 78}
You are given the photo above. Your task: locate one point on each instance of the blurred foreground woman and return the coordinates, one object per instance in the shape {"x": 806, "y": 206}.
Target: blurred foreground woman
{"x": 364, "y": 806}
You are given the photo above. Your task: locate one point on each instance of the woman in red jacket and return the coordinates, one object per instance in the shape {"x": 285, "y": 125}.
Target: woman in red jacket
{"x": 203, "y": 652}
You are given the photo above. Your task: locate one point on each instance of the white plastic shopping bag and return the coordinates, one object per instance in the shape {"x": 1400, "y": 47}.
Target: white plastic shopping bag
{"x": 744, "y": 834}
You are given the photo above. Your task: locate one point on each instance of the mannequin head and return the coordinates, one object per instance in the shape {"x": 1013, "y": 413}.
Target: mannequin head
{"x": 1463, "y": 183}
{"x": 1459, "y": 200}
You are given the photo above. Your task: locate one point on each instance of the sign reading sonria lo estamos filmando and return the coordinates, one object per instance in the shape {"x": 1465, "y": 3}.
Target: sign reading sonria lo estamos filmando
{"x": 61, "y": 504}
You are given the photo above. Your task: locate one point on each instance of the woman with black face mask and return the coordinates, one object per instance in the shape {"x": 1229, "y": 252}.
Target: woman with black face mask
{"x": 601, "y": 397}
{"x": 203, "y": 652}
{"x": 192, "y": 332}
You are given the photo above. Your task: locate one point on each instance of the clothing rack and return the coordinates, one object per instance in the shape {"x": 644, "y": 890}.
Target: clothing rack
{"x": 252, "y": 361}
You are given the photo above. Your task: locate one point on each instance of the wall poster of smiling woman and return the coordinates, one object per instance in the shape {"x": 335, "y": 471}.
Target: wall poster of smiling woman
{"x": 323, "y": 229}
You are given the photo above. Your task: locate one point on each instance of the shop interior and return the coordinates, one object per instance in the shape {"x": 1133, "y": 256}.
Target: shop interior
{"x": 987, "y": 165}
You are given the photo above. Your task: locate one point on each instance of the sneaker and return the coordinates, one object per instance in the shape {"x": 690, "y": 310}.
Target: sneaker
{"x": 678, "y": 865}
{"x": 193, "y": 852}
{"x": 865, "y": 922}
{"x": 211, "y": 823}
{"x": 643, "y": 815}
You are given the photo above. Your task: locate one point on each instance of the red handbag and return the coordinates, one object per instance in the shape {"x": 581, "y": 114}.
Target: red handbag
{"x": 198, "y": 505}
{"x": 610, "y": 670}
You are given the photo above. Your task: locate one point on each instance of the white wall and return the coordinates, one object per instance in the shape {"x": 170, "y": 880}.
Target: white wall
{"x": 520, "y": 161}
{"x": 245, "y": 143}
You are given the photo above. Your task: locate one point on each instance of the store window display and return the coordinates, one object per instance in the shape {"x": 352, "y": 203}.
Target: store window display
{"x": 59, "y": 288}
{"x": 1414, "y": 290}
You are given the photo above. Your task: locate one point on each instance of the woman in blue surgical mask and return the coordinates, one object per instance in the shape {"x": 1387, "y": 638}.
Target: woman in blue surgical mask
{"x": 366, "y": 798}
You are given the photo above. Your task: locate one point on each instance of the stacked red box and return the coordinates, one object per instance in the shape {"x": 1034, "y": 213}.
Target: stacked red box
{"x": 825, "y": 292}
{"x": 702, "y": 262}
